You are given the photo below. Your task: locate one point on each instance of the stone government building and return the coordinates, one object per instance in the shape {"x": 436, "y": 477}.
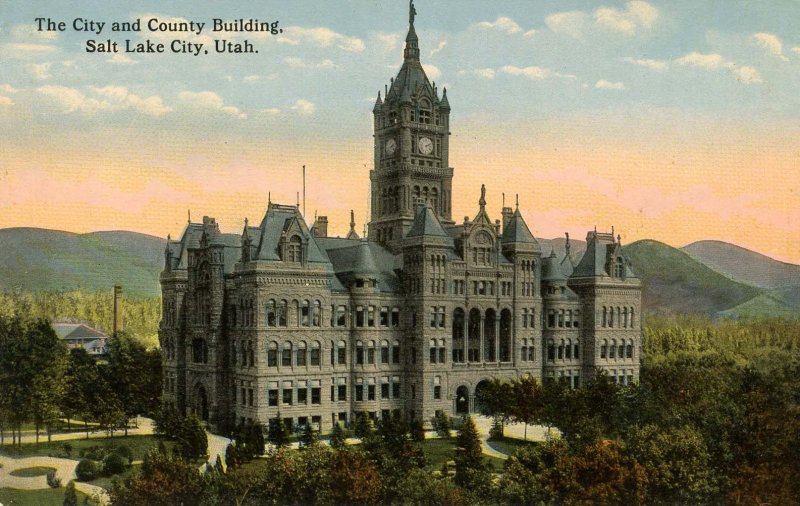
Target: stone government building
{"x": 412, "y": 319}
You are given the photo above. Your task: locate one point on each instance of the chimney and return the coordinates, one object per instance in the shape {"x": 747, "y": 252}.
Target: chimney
{"x": 321, "y": 227}
{"x": 117, "y": 310}
{"x": 507, "y": 214}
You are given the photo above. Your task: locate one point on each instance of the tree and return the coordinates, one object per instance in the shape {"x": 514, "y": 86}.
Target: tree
{"x": 79, "y": 380}
{"x": 354, "y": 479}
{"x": 193, "y": 440}
{"x": 135, "y": 375}
{"x": 471, "y": 469}
{"x": 527, "y": 401}
{"x": 164, "y": 479}
{"x": 276, "y": 433}
{"x": 70, "y": 495}
{"x": 337, "y": 439}
{"x": 308, "y": 437}
{"x": 441, "y": 424}
{"x": 363, "y": 426}
{"x": 496, "y": 399}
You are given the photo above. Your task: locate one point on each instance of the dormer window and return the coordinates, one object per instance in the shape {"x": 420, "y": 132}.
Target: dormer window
{"x": 619, "y": 268}
{"x": 294, "y": 250}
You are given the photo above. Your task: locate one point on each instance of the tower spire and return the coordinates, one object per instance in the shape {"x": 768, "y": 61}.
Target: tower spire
{"x": 482, "y": 201}
{"x": 411, "y": 52}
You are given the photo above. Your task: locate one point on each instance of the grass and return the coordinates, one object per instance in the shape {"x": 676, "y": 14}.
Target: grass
{"x": 41, "y": 497}
{"x": 107, "y": 481}
{"x": 509, "y": 445}
{"x": 439, "y": 451}
{"x": 138, "y": 445}
{"x": 30, "y": 472}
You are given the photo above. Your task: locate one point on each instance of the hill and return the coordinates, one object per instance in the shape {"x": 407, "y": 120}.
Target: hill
{"x": 674, "y": 282}
{"x": 34, "y": 259}
{"x": 744, "y": 265}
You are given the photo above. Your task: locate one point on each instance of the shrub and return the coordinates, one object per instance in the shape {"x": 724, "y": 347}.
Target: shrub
{"x": 52, "y": 480}
{"x": 441, "y": 424}
{"x": 114, "y": 463}
{"x": 93, "y": 453}
{"x": 496, "y": 432}
{"x": 70, "y": 495}
{"x": 67, "y": 449}
{"x": 87, "y": 470}
{"x": 124, "y": 452}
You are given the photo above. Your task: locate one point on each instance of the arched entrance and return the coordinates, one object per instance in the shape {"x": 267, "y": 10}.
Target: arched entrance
{"x": 462, "y": 400}
{"x": 481, "y": 390}
{"x": 201, "y": 402}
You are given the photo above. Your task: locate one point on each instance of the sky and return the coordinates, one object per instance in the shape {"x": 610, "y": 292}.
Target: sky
{"x": 670, "y": 120}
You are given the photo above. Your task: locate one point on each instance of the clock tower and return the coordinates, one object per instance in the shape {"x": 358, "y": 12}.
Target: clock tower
{"x": 411, "y": 131}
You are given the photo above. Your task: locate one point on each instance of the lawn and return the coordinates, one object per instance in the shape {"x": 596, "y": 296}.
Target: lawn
{"x": 30, "y": 472}
{"x": 509, "y": 445}
{"x": 439, "y": 451}
{"x": 42, "y": 497}
{"x": 138, "y": 445}
{"x": 107, "y": 481}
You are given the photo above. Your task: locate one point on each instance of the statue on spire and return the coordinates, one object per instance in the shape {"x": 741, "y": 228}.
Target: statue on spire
{"x": 412, "y": 12}
{"x": 482, "y": 201}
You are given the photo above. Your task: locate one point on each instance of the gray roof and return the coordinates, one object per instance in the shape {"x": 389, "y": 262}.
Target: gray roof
{"x": 599, "y": 247}
{"x": 426, "y": 224}
{"x": 353, "y": 259}
{"x": 551, "y": 270}
{"x": 282, "y": 219}
{"x": 77, "y": 331}
{"x": 517, "y": 231}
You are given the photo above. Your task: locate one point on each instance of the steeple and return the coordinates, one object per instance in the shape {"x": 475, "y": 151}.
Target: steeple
{"x": 352, "y": 234}
{"x": 411, "y": 52}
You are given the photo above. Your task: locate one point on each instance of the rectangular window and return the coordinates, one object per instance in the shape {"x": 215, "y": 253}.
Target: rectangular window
{"x": 384, "y": 354}
{"x": 316, "y": 395}
{"x": 314, "y": 356}
{"x": 301, "y": 357}
{"x": 250, "y": 396}
{"x": 395, "y": 317}
{"x": 272, "y": 358}
{"x": 302, "y": 395}
{"x": 371, "y": 316}
{"x": 370, "y": 355}
{"x": 433, "y": 317}
{"x": 396, "y": 390}
{"x": 359, "y": 355}
{"x": 286, "y": 357}
{"x": 272, "y": 396}
{"x": 287, "y": 396}
{"x": 360, "y": 316}
{"x": 384, "y": 390}
{"x": 437, "y": 392}
{"x": 370, "y": 392}
{"x": 304, "y": 314}
{"x": 384, "y": 316}
{"x": 433, "y": 355}
{"x": 359, "y": 393}
{"x": 341, "y": 316}
{"x": 342, "y": 392}
{"x": 442, "y": 352}
{"x": 396, "y": 354}
{"x": 341, "y": 352}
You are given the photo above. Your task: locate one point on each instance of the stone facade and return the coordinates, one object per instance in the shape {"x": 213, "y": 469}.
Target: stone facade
{"x": 284, "y": 320}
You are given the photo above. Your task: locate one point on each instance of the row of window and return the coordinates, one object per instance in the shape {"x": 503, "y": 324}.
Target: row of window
{"x": 563, "y": 318}
{"x": 616, "y": 350}
{"x": 622, "y": 317}
{"x": 564, "y": 351}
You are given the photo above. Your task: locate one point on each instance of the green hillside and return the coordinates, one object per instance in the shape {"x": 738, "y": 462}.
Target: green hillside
{"x": 33, "y": 259}
{"x": 783, "y": 302}
{"x": 674, "y": 282}
{"x": 744, "y": 265}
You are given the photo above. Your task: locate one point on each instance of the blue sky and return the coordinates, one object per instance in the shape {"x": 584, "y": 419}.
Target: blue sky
{"x": 643, "y": 113}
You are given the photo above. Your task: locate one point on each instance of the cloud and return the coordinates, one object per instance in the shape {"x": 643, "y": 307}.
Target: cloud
{"x": 658, "y": 65}
{"x": 389, "y": 41}
{"x": 7, "y": 88}
{"x": 796, "y": 49}
{"x": 533, "y": 72}
{"x": 304, "y": 107}
{"x": 30, "y": 32}
{"x": 486, "y": 73}
{"x": 637, "y": 14}
{"x": 272, "y": 111}
{"x": 40, "y": 71}
{"x": 251, "y": 79}
{"x": 321, "y": 37}
{"x": 771, "y": 43}
{"x": 122, "y": 59}
{"x": 24, "y": 47}
{"x": 209, "y": 100}
{"x": 502, "y": 23}
{"x": 715, "y": 61}
{"x": 105, "y": 99}
{"x": 602, "y": 84}
{"x": 5, "y": 101}
{"x": 438, "y": 48}
{"x": 569, "y": 22}
{"x": 432, "y": 71}
{"x": 299, "y": 63}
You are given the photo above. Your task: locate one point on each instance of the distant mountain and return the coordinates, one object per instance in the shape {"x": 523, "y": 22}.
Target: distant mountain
{"x": 783, "y": 302}
{"x": 34, "y": 259}
{"x": 674, "y": 282}
{"x": 745, "y": 265}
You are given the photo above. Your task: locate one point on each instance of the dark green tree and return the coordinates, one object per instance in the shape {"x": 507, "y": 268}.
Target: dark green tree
{"x": 277, "y": 433}
{"x": 308, "y": 437}
{"x": 337, "y": 438}
{"x": 471, "y": 470}
{"x": 70, "y": 495}
{"x": 526, "y": 401}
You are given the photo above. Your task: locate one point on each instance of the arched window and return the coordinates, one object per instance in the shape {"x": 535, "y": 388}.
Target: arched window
{"x": 568, "y": 349}
{"x": 316, "y": 349}
{"x": 316, "y": 319}
{"x": 489, "y": 337}
{"x": 272, "y": 354}
{"x": 551, "y": 351}
{"x": 301, "y": 354}
{"x": 621, "y": 349}
{"x": 286, "y": 355}
{"x": 251, "y": 359}
{"x": 629, "y": 350}
{"x": 371, "y": 352}
{"x": 442, "y": 351}
{"x": 305, "y": 317}
{"x": 561, "y": 350}
{"x": 384, "y": 352}
{"x": 341, "y": 353}
{"x": 396, "y": 352}
{"x": 576, "y": 352}
{"x": 604, "y": 349}
{"x": 612, "y": 350}
{"x": 458, "y": 335}
{"x": 631, "y": 321}
{"x": 433, "y": 352}
{"x": 283, "y": 309}
{"x": 505, "y": 335}
{"x": 474, "y": 335}
{"x": 359, "y": 353}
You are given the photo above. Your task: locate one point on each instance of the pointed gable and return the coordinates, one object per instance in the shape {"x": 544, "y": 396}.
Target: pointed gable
{"x": 426, "y": 224}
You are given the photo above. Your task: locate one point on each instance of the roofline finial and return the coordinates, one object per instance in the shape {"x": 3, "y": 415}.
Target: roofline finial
{"x": 412, "y": 12}
{"x": 482, "y": 201}
{"x": 517, "y": 201}
{"x": 189, "y": 212}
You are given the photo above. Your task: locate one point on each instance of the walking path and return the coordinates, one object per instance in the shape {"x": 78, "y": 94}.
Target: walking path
{"x": 65, "y": 470}
{"x": 144, "y": 426}
{"x": 514, "y": 431}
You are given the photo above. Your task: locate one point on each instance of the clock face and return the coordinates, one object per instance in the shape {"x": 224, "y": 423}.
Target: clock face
{"x": 425, "y": 146}
{"x": 391, "y": 146}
